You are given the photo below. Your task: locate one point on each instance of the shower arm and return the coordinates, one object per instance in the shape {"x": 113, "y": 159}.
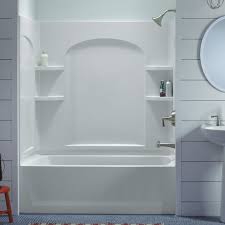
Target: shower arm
{"x": 169, "y": 10}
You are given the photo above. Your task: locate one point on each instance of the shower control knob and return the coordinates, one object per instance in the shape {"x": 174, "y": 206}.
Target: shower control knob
{"x": 171, "y": 118}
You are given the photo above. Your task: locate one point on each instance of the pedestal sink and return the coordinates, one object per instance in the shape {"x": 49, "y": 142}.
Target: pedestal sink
{"x": 216, "y": 135}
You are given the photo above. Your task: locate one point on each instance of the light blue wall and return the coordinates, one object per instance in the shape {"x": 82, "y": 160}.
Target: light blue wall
{"x": 101, "y": 9}
{"x": 27, "y": 8}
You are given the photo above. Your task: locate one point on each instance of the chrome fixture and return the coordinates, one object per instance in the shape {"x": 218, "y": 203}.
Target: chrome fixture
{"x": 169, "y": 145}
{"x": 215, "y": 4}
{"x": 218, "y": 122}
{"x": 158, "y": 20}
{"x": 171, "y": 118}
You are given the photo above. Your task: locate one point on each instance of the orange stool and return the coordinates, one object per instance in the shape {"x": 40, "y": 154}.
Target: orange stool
{"x": 5, "y": 190}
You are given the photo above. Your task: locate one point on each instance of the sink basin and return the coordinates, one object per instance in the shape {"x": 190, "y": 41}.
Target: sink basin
{"x": 214, "y": 134}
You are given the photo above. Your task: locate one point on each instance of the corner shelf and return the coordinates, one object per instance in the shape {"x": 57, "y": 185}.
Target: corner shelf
{"x": 158, "y": 68}
{"x": 49, "y": 68}
{"x": 159, "y": 99}
{"x": 48, "y": 98}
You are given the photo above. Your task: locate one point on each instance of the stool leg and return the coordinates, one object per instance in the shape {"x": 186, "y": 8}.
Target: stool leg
{"x": 9, "y": 209}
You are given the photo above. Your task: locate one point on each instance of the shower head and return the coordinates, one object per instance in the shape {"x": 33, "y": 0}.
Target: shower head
{"x": 158, "y": 20}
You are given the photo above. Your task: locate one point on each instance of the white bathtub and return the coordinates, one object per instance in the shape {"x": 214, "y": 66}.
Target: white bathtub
{"x": 98, "y": 184}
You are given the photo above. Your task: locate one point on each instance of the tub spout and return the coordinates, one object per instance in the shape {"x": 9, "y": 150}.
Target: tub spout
{"x": 169, "y": 145}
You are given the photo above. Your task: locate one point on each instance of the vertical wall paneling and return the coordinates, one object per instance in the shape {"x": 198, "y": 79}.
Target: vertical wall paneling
{"x": 8, "y": 96}
{"x": 199, "y": 163}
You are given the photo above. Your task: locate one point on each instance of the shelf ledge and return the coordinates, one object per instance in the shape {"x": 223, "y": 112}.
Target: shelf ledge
{"x": 49, "y": 68}
{"x": 158, "y": 68}
{"x": 49, "y": 98}
{"x": 159, "y": 99}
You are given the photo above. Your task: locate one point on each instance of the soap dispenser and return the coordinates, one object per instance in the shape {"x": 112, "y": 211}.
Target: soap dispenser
{"x": 44, "y": 59}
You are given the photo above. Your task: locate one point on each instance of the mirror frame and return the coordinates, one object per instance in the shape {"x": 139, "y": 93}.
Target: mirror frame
{"x": 203, "y": 43}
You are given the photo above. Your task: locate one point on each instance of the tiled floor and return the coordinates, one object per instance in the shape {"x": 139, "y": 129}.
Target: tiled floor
{"x": 167, "y": 220}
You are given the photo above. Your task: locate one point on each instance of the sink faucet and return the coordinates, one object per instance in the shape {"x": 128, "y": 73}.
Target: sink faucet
{"x": 171, "y": 118}
{"x": 218, "y": 122}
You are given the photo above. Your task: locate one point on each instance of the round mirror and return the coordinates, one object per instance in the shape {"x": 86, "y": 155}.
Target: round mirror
{"x": 212, "y": 54}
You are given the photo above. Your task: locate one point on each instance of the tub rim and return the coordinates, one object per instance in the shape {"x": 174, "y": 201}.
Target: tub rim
{"x": 29, "y": 160}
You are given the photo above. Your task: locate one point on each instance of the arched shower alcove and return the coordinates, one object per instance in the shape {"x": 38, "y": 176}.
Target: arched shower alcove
{"x": 105, "y": 94}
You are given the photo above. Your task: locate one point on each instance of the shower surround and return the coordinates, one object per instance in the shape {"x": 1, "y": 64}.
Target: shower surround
{"x": 96, "y": 118}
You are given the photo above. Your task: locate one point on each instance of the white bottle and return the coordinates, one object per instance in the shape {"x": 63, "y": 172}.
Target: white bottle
{"x": 44, "y": 59}
{"x": 169, "y": 89}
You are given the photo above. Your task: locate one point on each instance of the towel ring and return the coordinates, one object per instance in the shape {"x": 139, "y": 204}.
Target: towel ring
{"x": 215, "y": 4}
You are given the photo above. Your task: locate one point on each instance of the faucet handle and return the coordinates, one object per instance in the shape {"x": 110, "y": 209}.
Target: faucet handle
{"x": 171, "y": 118}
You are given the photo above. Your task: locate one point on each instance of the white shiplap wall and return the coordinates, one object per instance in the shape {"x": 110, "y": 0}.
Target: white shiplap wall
{"x": 8, "y": 95}
{"x": 199, "y": 163}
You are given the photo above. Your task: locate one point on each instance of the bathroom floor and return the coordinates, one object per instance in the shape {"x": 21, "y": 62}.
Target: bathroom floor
{"x": 166, "y": 219}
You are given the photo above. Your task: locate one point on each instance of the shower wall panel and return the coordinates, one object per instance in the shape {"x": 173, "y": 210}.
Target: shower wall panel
{"x": 103, "y": 83}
